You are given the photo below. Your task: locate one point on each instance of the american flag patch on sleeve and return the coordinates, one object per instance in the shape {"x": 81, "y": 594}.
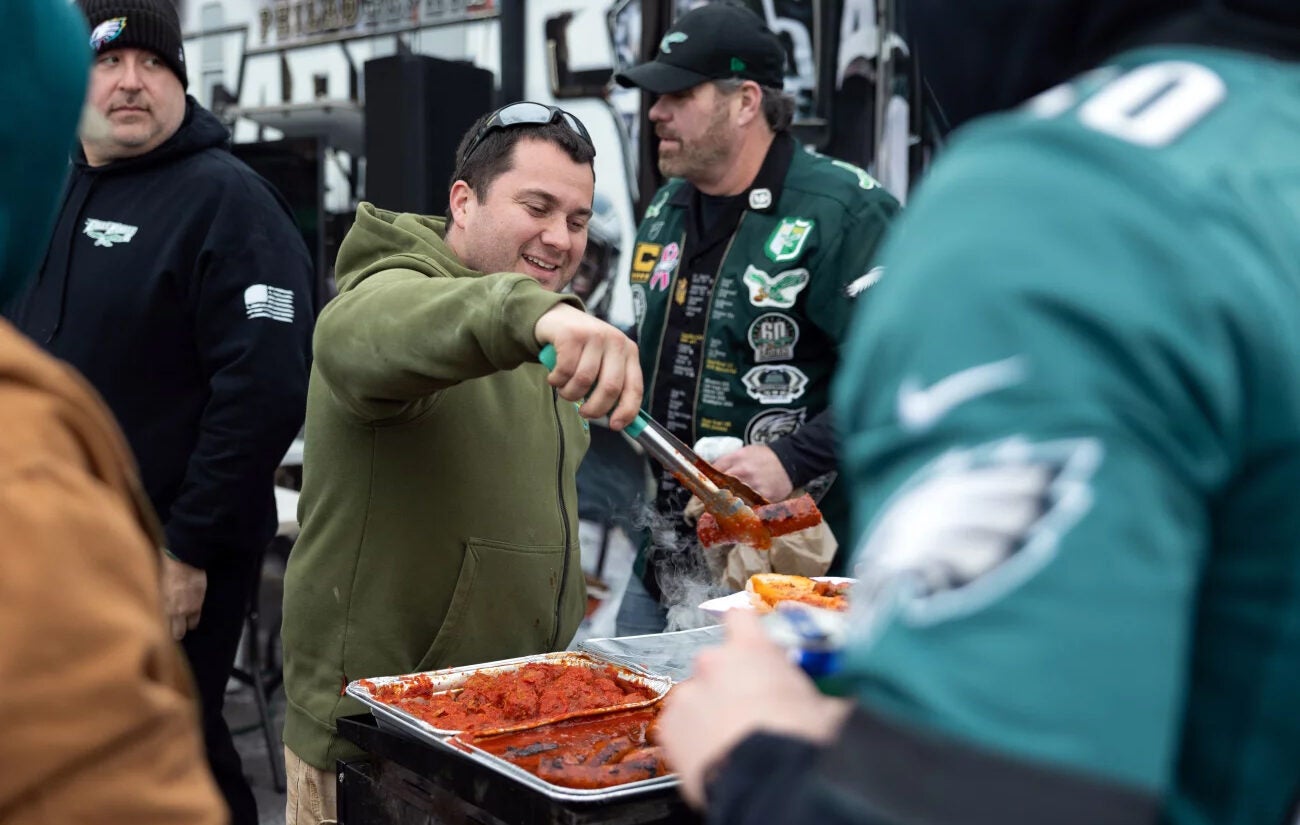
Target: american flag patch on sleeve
{"x": 263, "y": 301}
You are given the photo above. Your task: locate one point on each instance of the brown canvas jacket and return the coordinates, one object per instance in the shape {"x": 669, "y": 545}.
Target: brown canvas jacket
{"x": 99, "y": 720}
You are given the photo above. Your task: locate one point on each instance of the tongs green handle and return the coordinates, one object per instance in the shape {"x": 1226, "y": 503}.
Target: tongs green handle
{"x": 547, "y": 357}
{"x": 726, "y": 503}
{"x": 693, "y": 464}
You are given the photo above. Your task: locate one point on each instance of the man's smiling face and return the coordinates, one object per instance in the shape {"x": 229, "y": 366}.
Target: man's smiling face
{"x": 532, "y": 219}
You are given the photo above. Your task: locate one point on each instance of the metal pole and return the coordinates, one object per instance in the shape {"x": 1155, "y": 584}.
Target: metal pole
{"x": 513, "y": 21}
{"x": 884, "y": 76}
{"x": 656, "y": 16}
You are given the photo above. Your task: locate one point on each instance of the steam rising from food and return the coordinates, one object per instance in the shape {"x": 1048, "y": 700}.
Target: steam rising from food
{"x": 687, "y": 573}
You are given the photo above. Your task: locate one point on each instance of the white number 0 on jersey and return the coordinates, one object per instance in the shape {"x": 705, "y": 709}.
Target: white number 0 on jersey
{"x": 1150, "y": 106}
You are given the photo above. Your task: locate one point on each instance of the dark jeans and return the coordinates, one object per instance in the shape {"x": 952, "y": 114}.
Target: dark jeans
{"x": 210, "y": 648}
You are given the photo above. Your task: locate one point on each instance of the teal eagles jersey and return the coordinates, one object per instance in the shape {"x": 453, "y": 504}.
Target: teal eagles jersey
{"x": 1072, "y": 429}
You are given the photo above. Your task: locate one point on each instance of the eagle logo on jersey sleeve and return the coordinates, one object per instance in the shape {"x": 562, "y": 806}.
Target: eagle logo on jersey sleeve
{"x": 969, "y": 528}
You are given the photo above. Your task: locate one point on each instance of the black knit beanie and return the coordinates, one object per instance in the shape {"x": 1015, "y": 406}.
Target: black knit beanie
{"x": 142, "y": 24}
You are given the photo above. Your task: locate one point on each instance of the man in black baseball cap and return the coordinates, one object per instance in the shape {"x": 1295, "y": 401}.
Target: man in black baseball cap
{"x": 713, "y": 42}
{"x": 742, "y": 246}
{"x": 707, "y": 57}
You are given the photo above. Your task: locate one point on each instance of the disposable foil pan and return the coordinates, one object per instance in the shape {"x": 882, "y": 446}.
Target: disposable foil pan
{"x": 397, "y": 721}
{"x": 453, "y": 678}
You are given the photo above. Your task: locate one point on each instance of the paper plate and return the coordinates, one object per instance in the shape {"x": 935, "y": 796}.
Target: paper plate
{"x": 743, "y": 601}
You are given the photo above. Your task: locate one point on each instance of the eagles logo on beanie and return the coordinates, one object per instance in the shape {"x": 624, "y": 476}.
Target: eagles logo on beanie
{"x": 141, "y": 24}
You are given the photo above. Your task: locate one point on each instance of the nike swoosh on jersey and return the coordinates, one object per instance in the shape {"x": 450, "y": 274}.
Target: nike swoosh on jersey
{"x": 920, "y": 408}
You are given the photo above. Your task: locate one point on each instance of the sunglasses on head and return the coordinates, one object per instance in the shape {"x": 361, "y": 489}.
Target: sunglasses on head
{"x": 527, "y": 113}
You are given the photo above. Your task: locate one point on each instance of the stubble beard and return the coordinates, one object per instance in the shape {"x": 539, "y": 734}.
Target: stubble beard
{"x": 701, "y": 159}
{"x": 694, "y": 162}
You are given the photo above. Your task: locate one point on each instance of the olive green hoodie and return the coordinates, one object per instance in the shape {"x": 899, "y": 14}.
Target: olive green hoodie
{"x": 439, "y": 509}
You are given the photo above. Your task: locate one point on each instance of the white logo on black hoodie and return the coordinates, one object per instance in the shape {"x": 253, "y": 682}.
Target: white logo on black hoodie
{"x": 107, "y": 233}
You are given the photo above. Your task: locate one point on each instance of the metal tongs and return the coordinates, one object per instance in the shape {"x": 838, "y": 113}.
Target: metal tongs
{"x": 729, "y": 499}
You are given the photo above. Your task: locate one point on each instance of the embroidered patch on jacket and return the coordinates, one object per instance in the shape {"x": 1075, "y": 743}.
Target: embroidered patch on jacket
{"x": 107, "y": 233}
{"x": 772, "y": 336}
{"x": 643, "y": 261}
{"x": 777, "y": 384}
{"x": 657, "y": 205}
{"x": 770, "y": 425}
{"x": 663, "y": 271}
{"x": 787, "y": 240}
{"x": 265, "y": 301}
{"x": 779, "y": 290}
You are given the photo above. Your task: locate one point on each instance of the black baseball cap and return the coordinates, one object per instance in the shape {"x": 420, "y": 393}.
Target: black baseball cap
{"x": 716, "y": 41}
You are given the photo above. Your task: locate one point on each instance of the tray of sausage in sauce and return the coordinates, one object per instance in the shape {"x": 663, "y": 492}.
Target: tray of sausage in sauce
{"x": 585, "y": 759}
{"x": 572, "y": 725}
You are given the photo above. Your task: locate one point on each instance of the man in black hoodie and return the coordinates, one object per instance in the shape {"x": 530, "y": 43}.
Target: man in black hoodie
{"x": 178, "y": 285}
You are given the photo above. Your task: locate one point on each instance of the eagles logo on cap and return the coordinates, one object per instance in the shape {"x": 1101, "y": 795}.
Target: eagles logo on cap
{"x": 107, "y": 31}
{"x": 716, "y": 41}
{"x": 666, "y": 45}
{"x": 152, "y": 25}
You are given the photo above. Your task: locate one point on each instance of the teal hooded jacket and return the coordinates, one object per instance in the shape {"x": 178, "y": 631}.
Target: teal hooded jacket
{"x": 43, "y": 94}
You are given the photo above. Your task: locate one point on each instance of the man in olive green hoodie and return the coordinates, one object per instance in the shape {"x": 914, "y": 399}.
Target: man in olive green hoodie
{"x": 439, "y": 509}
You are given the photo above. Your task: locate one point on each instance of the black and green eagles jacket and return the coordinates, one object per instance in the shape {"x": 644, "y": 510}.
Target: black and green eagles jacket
{"x": 740, "y": 324}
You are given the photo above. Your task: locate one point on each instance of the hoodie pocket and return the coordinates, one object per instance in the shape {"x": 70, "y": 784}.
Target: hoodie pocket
{"x": 504, "y": 605}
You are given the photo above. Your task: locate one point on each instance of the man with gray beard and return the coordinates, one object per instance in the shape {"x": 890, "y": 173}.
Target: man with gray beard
{"x": 744, "y": 275}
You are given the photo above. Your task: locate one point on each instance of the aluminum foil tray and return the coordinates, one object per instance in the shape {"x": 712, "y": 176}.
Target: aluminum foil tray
{"x": 452, "y": 678}
{"x": 398, "y": 721}
{"x": 663, "y": 654}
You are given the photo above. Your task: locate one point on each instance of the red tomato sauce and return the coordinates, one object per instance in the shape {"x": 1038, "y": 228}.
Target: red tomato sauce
{"x": 535, "y": 692}
{"x": 779, "y": 518}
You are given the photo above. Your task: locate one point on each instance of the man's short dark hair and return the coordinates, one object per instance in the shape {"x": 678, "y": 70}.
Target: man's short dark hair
{"x": 494, "y": 155}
